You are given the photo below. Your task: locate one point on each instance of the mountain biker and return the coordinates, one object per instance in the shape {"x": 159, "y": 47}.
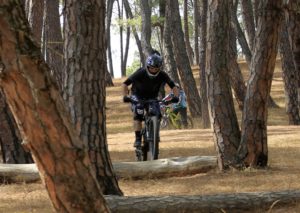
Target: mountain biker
{"x": 180, "y": 106}
{"x": 145, "y": 84}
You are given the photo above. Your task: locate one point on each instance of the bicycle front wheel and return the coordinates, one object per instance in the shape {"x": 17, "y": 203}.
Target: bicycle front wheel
{"x": 154, "y": 134}
{"x": 164, "y": 122}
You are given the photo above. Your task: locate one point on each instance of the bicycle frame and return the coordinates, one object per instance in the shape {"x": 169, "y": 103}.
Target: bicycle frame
{"x": 150, "y": 133}
{"x": 174, "y": 118}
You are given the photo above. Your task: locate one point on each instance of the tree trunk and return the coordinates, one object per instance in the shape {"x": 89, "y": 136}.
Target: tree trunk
{"x": 35, "y": 18}
{"x": 182, "y": 60}
{"x": 169, "y": 58}
{"x": 146, "y": 27}
{"x": 39, "y": 111}
{"x": 186, "y": 33}
{"x": 248, "y": 19}
{"x": 292, "y": 17}
{"x": 240, "y": 34}
{"x": 235, "y": 74}
{"x": 54, "y": 41}
{"x": 84, "y": 93}
{"x": 233, "y": 203}
{"x": 196, "y": 31}
{"x": 254, "y": 146}
{"x": 127, "y": 43}
{"x": 290, "y": 78}
{"x": 202, "y": 74}
{"x": 222, "y": 114}
{"x": 10, "y": 139}
{"x": 134, "y": 30}
{"x": 169, "y": 167}
{"x": 109, "y": 10}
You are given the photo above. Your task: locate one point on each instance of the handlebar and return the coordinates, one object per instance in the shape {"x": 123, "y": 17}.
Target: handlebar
{"x": 134, "y": 100}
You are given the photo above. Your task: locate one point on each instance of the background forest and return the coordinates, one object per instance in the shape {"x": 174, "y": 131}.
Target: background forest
{"x": 59, "y": 97}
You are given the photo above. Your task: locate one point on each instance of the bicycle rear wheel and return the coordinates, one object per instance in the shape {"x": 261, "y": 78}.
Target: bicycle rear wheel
{"x": 154, "y": 138}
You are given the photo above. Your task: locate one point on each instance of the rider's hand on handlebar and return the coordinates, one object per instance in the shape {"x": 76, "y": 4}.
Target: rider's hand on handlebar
{"x": 126, "y": 99}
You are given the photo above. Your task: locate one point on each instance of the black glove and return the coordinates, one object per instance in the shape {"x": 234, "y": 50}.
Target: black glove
{"x": 175, "y": 99}
{"x": 126, "y": 99}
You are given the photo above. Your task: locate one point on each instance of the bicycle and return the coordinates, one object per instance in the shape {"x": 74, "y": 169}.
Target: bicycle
{"x": 150, "y": 132}
{"x": 170, "y": 118}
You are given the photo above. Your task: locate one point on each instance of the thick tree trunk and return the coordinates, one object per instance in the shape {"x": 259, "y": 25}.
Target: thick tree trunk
{"x": 254, "y": 146}
{"x": 40, "y": 113}
{"x": 292, "y": 17}
{"x": 222, "y": 113}
{"x": 182, "y": 61}
{"x": 10, "y": 138}
{"x": 169, "y": 167}
{"x": 290, "y": 78}
{"x": 233, "y": 203}
{"x": 84, "y": 92}
{"x": 202, "y": 62}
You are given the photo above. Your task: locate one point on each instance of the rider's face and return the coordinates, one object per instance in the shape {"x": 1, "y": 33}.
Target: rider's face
{"x": 153, "y": 70}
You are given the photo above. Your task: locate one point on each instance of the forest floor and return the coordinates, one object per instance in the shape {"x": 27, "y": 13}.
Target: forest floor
{"x": 283, "y": 172}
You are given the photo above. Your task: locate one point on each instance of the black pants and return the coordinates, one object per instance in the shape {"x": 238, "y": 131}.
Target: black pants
{"x": 183, "y": 115}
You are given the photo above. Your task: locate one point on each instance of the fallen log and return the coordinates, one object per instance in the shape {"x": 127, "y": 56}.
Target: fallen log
{"x": 177, "y": 166}
{"x": 233, "y": 203}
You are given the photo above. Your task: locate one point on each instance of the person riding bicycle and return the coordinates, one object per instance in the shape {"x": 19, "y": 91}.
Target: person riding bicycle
{"x": 145, "y": 84}
{"x": 180, "y": 106}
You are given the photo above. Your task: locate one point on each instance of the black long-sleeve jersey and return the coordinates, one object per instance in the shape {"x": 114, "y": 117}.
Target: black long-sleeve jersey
{"x": 145, "y": 87}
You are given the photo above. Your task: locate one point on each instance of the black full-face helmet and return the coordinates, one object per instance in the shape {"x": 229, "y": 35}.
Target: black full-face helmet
{"x": 153, "y": 62}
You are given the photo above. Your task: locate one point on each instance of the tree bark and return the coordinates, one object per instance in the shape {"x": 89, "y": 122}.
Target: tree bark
{"x": 253, "y": 149}
{"x": 84, "y": 92}
{"x": 222, "y": 113}
{"x": 186, "y": 33}
{"x": 182, "y": 61}
{"x": 35, "y": 18}
{"x": 169, "y": 58}
{"x": 196, "y": 31}
{"x": 109, "y": 10}
{"x": 292, "y": 17}
{"x": 233, "y": 203}
{"x": 40, "y": 113}
{"x": 240, "y": 34}
{"x": 169, "y": 167}
{"x": 290, "y": 78}
{"x": 10, "y": 138}
{"x": 53, "y": 33}
{"x": 248, "y": 19}
{"x": 146, "y": 28}
{"x": 235, "y": 74}
{"x": 202, "y": 62}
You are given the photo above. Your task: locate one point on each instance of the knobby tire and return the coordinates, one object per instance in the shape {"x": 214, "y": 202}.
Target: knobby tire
{"x": 153, "y": 144}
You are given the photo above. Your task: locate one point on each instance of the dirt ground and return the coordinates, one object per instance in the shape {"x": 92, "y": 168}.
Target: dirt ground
{"x": 283, "y": 172}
